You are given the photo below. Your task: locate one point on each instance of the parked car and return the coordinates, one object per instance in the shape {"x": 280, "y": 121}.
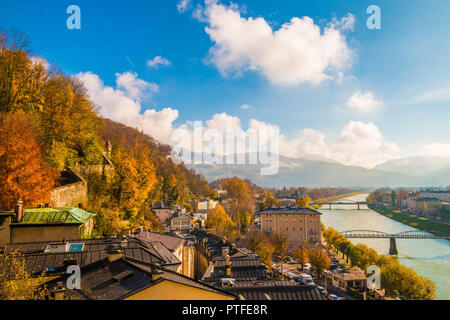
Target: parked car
{"x": 333, "y": 297}
{"x": 322, "y": 290}
{"x": 306, "y": 279}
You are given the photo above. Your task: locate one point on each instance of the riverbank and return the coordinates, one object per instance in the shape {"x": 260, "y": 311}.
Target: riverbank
{"x": 412, "y": 221}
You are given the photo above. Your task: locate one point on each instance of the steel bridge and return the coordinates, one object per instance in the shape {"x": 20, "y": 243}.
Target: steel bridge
{"x": 342, "y": 203}
{"x": 371, "y": 234}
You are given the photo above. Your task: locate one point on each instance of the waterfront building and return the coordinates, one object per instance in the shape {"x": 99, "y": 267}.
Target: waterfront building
{"x": 297, "y": 224}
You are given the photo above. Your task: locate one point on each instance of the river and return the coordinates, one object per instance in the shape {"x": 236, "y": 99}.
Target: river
{"x": 428, "y": 257}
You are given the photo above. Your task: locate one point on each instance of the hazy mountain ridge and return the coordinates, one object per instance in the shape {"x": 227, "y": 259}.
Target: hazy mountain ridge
{"x": 312, "y": 173}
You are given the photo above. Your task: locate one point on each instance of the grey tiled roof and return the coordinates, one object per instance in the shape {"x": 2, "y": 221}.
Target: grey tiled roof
{"x": 169, "y": 241}
{"x": 122, "y": 278}
{"x": 276, "y": 290}
{"x": 294, "y": 209}
{"x": 37, "y": 261}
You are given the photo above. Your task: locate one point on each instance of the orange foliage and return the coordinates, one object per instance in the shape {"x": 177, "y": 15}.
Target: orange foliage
{"x": 22, "y": 173}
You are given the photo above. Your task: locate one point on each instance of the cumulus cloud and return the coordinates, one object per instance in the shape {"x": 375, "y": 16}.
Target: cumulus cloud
{"x": 364, "y": 102}
{"x": 158, "y": 61}
{"x": 123, "y": 104}
{"x": 246, "y": 106}
{"x": 298, "y": 52}
{"x": 183, "y": 5}
{"x": 359, "y": 143}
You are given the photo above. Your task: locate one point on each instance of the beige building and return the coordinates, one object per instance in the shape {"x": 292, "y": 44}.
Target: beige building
{"x": 298, "y": 224}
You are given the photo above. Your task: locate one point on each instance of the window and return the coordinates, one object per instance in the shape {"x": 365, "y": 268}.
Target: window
{"x": 287, "y": 228}
{"x": 293, "y": 228}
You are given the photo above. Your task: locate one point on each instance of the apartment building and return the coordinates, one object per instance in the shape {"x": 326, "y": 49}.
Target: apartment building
{"x": 295, "y": 223}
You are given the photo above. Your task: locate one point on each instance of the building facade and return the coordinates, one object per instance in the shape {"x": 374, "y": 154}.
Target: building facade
{"x": 298, "y": 225}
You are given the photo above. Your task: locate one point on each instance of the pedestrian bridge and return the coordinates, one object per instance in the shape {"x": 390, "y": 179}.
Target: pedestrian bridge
{"x": 371, "y": 234}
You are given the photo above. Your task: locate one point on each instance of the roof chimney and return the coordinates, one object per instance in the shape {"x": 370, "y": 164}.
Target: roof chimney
{"x": 18, "y": 210}
{"x": 228, "y": 265}
{"x": 59, "y": 292}
{"x": 114, "y": 253}
{"x": 156, "y": 274}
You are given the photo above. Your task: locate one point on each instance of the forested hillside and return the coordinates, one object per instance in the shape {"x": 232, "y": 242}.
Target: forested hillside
{"x": 48, "y": 123}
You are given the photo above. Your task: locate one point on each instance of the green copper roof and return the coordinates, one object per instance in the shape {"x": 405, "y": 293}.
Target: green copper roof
{"x": 55, "y": 216}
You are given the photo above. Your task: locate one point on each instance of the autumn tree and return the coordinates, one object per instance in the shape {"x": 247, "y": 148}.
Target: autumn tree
{"x": 23, "y": 173}
{"x": 279, "y": 243}
{"x": 257, "y": 242}
{"x": 301, "y": 255}
{"x": 319, "y": 260}
{"x": 16, "y": 283}
{"x": 239, "y": 194}
{"x": 303, "y": 202}
{"x": 134, "y": 178}
{"x": 220, "y": 221}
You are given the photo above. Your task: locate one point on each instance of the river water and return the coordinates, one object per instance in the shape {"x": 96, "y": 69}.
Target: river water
{"x": 429, "y": 258}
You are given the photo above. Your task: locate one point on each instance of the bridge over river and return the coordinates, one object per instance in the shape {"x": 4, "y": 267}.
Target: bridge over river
{"x": 341, "y": 203}
{"x": 371, "y": 234}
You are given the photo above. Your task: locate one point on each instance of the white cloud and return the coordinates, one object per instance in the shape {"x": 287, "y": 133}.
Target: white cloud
{"x": 364, "y": 102}
{"x": 158, "y": 61}
{"x": 436, "y": 150}
{"x": 134, "y": 87}
{"x": 346, "y": 23}
{"x": 298, "y": 52}
{"x": 183, "y": 5}
{"x": 224, "y": 122}
{"x": 362, "y": 144}
{"x": 359, "y": 143}
{"x": 122, "y": 104}
{"x": 246, "y": 106}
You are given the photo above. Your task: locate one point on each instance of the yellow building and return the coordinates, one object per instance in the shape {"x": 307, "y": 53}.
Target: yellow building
{"x": 297, "y": 224}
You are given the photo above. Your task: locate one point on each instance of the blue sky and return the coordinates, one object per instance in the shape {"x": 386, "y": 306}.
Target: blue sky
{"x": 401, "y": 72}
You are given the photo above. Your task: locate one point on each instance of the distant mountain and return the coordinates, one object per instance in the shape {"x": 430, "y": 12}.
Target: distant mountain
{"x": 418, "y": 166}
{"x": 312, "y": 173}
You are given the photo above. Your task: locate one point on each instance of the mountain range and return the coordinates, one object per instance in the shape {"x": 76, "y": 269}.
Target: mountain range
{"x": 406, "y": 172}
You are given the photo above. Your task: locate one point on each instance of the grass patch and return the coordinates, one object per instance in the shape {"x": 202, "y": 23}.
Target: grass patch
{"x": 416, "y": 222}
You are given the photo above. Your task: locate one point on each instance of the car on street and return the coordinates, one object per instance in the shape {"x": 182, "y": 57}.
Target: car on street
{"x": 306, "y": 279}
{"x": 333, "y": 297}
{"x": 322, "y": 290}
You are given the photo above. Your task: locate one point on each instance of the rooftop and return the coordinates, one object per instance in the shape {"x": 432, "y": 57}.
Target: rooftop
{"x": 275, "y": 290}
{"x": 294, "y": 209}
{"x": 350, "y": 275}
{"x": 53, "y": 216}
{"x": 122, "y": 278}
{"x": 171, "y": 242}
{"x": 38, "y": 260}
